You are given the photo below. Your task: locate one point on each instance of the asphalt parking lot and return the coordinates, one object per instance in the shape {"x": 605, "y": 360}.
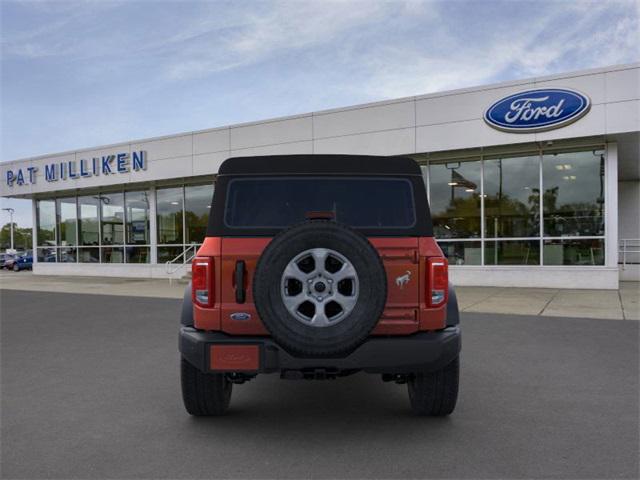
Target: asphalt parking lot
{"x": 90, "y": 389}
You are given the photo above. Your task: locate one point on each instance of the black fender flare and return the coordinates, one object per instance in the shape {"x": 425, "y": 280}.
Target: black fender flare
{"x": 186, "y": 316}
{"x": 453, "y": 313}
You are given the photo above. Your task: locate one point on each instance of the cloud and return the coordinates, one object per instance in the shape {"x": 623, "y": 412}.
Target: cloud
{"x": 287, "y": 26}
{"x": 101, "y": 72}
{"x": 557, "y": 39}
{"x": 52, "y": 27}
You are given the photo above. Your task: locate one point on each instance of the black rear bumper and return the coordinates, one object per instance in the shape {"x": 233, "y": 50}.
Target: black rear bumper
{"x": 424, "y": 351}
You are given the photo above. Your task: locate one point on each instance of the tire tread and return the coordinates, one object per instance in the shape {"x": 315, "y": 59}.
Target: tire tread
{"x": 204, "y": 394}
{"x": 435, "y": 393}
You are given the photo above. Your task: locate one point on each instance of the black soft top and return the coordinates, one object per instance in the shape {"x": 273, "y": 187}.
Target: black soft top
{"x": 319, "y": 164}
{"x": 325, "y": 165}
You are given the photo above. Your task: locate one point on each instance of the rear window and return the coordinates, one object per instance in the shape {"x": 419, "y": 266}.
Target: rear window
{"x": 362, "y": 202}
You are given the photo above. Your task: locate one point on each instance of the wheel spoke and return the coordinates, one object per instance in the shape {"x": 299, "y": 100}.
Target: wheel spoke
{"x": 347, "y": 271}
{"x": 293, "y": 271}
{"x": 319, "y": 287}
{"x": 320, "y": 318}
{"x": 347, "y": 302}
{"x": 293, "y": 302}
{"x": 319, "y": 257}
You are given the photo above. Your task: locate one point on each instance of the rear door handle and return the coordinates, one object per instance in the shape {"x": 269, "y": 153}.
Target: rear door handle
{"x": 240, "y": 292}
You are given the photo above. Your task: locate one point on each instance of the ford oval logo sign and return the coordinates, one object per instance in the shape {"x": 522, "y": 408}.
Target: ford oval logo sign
{"x": 537, "y": 110}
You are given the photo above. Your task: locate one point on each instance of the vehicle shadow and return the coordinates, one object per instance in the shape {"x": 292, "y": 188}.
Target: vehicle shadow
{"x": 361, "y": 401}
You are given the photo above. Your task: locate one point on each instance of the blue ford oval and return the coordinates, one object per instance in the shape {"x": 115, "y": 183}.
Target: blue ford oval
{"x": 537, "y": 110}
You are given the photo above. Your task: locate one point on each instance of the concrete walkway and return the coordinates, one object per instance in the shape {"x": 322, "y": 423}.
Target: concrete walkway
{"x": 623, "y": 304}
{"x": 134, "y": 287}
{"x": 608, "y": 304}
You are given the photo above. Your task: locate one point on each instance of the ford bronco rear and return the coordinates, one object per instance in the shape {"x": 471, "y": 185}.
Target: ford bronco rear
{"x": 320, "y": 266}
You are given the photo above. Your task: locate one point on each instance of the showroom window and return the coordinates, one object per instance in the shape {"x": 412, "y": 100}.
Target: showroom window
{"x": 456, "y": 208}
{"x": 573, "y": 194}
{"x": 46, "y": 230}
{"x": 88, "y": 229}
{"x": 489, "y": 211}
{"x": 512, "y": 197}
{"x": 106, "y": 228}
{"x": 67, "y": 224}
{"x": 112, "y": 228}
{"x": 455, "y": 193}
{"x": 138, "y": 238}
{"x": 197, "y": 205}
{"x": 170, "y": 219}
{"x": 115, "y": 227}
{"x": 182, "y": 216}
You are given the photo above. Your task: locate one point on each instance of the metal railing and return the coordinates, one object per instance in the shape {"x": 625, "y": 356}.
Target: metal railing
{"x": 627, "y": 248}
{"x": 182, "y": 260}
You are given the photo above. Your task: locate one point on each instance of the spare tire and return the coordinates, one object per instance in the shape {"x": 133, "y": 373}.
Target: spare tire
{"x": 319, "y": 288}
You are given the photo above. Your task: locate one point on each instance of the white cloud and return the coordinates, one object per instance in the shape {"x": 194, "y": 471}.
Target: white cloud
{"x": 529, "y": 47}
{"x": 288, "y": 26}
{"x": 96, "y": 73}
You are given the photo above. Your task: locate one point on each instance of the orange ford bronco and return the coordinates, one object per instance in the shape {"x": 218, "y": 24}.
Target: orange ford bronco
{"x": 315, "y": 267}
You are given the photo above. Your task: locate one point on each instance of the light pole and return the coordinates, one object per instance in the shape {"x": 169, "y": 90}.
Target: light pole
{"x": 11, "y": 212}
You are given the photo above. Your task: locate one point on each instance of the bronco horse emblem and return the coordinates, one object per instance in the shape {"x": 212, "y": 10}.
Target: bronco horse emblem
{"x": 402, "y": 280}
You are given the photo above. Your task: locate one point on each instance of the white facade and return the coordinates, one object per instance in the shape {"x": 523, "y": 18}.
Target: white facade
{"x": 439, "y": 125}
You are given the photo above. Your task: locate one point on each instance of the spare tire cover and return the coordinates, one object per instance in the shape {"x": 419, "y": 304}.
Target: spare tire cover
{"x": 319, "y": 288}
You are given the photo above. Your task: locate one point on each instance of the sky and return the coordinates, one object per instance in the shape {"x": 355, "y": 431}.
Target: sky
{"x": 87, "y": 73}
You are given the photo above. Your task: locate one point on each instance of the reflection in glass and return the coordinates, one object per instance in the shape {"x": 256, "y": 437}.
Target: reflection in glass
{"x": 112, "y": 255}
{"x": 573, "y": 198}
{"x": 137, "y": 218}
{"x": 197, "y": 207}
{"x": 112, "y": 218}
{"x": 89, "y": 255}
{"x": 137, "y": 254}
{"x": 47, "y": 254}
{"x": 455, "y": 199}
{"x": 462, "y": 253}
{"x": 169, "y": 206}
{"x": 512, "y": 197}
{"x": 67, "y": 254}
{"x": 88, "y": 220}
{"x": 574, "y": 252}
{"x": 46, "y": 217}
{"x": 512, "y": 252}
{"x": 67, "y": 212}
{"x": 166, "y": 254}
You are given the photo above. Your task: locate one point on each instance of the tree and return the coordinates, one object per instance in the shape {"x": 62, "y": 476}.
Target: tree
{"x": 21, "y": 237}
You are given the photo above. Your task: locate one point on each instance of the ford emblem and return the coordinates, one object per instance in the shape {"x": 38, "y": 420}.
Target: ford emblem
{"x": 537, "y": 110}
{"x": 240, "y": 316}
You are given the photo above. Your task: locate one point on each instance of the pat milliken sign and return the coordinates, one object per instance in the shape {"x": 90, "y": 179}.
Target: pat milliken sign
{"x": 537, "y": 110}
{"x": 115, "y": 164}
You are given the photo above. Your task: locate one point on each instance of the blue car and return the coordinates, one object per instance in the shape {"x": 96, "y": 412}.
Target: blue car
{"x": 23, "y": 262}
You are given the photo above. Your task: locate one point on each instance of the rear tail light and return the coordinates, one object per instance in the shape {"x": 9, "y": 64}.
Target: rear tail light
{"x": 202, "y": 281}
{"x": 437, "y": 281}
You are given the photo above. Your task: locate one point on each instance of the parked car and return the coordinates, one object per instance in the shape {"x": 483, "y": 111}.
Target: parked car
{"x": 23, "y": 262}
{"x": 316, "y": 267}
{"x": 8, "y": 260}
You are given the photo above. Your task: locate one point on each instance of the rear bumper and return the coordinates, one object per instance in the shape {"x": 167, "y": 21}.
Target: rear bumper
{"x": 424, "y": 351}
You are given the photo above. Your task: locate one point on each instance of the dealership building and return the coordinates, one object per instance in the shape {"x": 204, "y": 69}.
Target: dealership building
{"x": 534, "y": 182}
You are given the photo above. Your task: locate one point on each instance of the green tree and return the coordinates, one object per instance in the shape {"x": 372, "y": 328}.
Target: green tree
{"x": 21, "y": 237}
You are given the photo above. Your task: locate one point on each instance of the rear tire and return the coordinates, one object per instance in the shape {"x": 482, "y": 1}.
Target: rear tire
{"x": 204, "y": 394}
{"x": 435, "y": 394}
{"x": 16, "y": 268}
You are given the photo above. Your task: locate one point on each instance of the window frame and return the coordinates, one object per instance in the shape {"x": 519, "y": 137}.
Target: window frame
{"x": 539, "y": 152}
